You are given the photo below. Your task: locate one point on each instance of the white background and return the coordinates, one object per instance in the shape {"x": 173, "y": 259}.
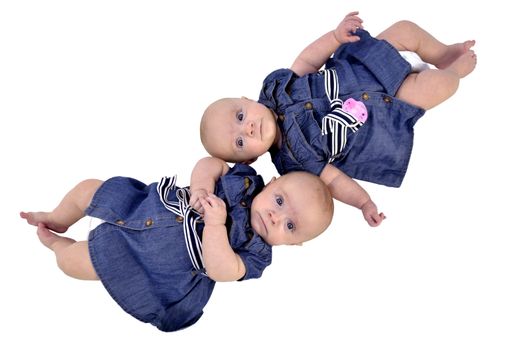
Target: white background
{"x": 102, "y": 88}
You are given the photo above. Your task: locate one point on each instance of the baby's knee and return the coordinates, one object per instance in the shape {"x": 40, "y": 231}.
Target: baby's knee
{"x": 85, "y": 191}
{"x": 89, "y": 185}
{"x": 405, "y": 25}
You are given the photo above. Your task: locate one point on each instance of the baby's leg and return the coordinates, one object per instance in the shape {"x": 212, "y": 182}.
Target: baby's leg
{"x": 72, "y": 256}
{"x": 431, "y": 87}
{"x": 405, "y": 35}
{"x": 70, "y": 210}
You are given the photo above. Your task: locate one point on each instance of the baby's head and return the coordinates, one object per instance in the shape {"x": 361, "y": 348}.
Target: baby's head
{"x": 238, "y": 130}
{"x": 292, "y": 209}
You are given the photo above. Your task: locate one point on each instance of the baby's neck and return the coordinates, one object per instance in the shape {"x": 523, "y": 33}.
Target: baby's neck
{"x": 278, "y": 137}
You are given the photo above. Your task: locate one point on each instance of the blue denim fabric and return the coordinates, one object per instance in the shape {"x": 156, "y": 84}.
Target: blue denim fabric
{"x": 140, "y": 253}
{"x": 370, "y": 71}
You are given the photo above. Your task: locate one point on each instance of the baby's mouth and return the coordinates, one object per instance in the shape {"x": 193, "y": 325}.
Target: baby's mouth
{"x": 264, "y": 225}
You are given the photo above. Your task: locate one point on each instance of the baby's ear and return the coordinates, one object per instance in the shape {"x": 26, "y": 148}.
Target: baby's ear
{"x": 249, "y": 161}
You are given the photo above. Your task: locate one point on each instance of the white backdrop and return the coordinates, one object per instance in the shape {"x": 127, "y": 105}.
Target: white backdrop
{"x": 103, "y": 88}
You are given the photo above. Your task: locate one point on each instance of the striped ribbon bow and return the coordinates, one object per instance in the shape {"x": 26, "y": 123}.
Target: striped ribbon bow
{"x": 190, "y": 219}
{"x": 337, "y": 122}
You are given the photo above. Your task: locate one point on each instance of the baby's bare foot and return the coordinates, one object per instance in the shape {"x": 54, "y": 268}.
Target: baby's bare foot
{"x": 465, "y": 64}
{"x": 453, "y": 52}
{"x": 47, "y": 237}
{"x": 41, "y": 217}
{"x": 52, "y": 240}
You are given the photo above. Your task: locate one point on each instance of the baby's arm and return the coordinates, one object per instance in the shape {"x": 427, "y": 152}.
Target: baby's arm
{"x": 203, "y": 178}
{"x": 348, "y": 191}
{"x": 221, "y": 262}
{"x": 315, "y": 55}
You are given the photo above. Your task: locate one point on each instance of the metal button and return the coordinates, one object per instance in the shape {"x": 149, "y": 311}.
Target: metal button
{"x": 246, "y": 183}
{"x": 281, "y": 117}
{"x": 119, "y": 222}
{"x": 387, "y": 99}
{"x": 308, "y": 105}
{"x": 365, "y": 96}
{"x": 149, "y": 222}
{"x": 179, "y": 218}
{"x": 243, "y": 204}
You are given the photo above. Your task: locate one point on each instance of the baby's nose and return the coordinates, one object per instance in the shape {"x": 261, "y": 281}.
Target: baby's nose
{"x": 274, "y": 217}
{"x": 249, "y": 128}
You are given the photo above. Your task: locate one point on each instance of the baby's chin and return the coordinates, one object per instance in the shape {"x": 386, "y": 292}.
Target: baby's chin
{"x": 257, "y": 225}
{"x": 269, "y": 132}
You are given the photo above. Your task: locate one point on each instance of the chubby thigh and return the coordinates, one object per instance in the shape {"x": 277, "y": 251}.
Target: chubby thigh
{"x": 75, "y": 261}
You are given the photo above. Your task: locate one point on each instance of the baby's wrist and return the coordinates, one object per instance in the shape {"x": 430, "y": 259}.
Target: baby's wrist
{"x": 214, "y": 225}
{"x": 366, "y": 204}
{"x": 334, "y": 35}
{"x": 198, "y": 189}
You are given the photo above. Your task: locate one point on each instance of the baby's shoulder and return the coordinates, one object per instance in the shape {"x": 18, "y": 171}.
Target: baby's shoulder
{"x": 282, "y": 74}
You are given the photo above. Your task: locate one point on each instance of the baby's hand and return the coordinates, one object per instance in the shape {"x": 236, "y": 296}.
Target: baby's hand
{"x": 369, "y": 210}
{"x": 344, "y": 33}
{"x": 195, "y": 199}
{"x": 214, "y": 210}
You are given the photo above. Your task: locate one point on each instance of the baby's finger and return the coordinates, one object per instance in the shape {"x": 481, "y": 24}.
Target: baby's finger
{"x": 354, "y": 20}
{"x": 359, "y": 19}
{"x": 375, "y": 220}
{"x": 356, "y": 24}
{"x": 198, "y": 207}
{"x": 353, "y": 13}
{"x": 204, "y": 203}
{"x": 214, "y": 200}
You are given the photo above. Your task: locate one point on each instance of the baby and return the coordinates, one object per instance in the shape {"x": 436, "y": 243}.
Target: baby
{"x": 159, "y": 258}
{"x": 355, "y": 119}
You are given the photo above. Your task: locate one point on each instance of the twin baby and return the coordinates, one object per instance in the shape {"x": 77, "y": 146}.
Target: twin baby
{"x": 161, "y": 247}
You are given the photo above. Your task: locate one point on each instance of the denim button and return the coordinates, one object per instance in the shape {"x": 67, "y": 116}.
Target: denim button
{"x": 179, "y": 218}
{"x": 149, "y": 222}
{"x": 119, "y": 222}
{"x": 387, "y": 99}
{"x": 365, "y": 96}
{"x": 281, "y": 117}
{"x": 308, "y": 105}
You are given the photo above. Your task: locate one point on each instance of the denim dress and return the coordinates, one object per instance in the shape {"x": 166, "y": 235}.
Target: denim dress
{"x": 140, "y": 252}
{"x": 370, "y": 71}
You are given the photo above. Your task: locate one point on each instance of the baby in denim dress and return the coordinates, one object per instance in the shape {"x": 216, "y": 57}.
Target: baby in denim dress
{"x": 352, "y": 120}
{"x": 160, "y": 248}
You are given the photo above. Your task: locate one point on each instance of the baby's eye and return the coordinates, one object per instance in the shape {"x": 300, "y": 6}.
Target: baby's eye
{"x": 239, "y": 143}
{"x": 290, "y": 226}
{"x": 240, "y": 116}
{"x": 279, "y": 200}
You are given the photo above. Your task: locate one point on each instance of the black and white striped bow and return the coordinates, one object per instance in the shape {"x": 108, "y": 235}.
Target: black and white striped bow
{"x": 337, "y": 123}
{"x": 190, "y": 218}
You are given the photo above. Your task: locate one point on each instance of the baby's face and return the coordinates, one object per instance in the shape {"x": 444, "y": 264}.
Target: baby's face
{"x": 285, "y": 213}
{"x": 239, "y": 129}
